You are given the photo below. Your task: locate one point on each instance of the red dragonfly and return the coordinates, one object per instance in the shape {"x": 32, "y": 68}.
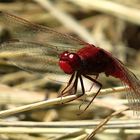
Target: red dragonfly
{"x": 72, "y": 55}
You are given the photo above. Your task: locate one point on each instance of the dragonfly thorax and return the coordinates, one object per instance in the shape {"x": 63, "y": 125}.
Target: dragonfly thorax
{"x": 69, "y": 62}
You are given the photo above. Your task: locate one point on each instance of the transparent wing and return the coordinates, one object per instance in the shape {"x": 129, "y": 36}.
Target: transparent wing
{"x": 133, "y": 94}
{"x": 30, "y": 56}
{"x": 24, "y": 30}
{"x": 130, "y": 79}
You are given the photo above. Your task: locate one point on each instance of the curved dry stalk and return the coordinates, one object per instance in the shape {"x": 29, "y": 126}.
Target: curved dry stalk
{"x": 102, "y": 123}
{"x": 37, "y": 105}
{"x": 50, "y": 102}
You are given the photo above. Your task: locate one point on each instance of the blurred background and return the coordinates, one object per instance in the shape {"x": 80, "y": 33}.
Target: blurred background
{"x": 113, "y": 25}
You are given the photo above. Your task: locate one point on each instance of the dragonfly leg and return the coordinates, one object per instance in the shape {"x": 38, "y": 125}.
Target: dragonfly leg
{"x": 100, "y": 86}
{"x": 64, "y": 91}
{"x": 75, "y": 85}
{"x": 72, "y": 89}
{"x": 83, "y": 91}
{"x": 93, "y": 83}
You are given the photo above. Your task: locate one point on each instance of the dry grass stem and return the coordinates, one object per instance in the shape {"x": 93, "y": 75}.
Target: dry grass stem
{"x": 30, "y": 108}
{"x": 112, "y": 124}
{"x": 126, "y": 13}
{"x": 102, "y": 123}
{"x": 37, "y": 105}
{"x": 110, "y": 91}
{"x": 42, "y": 104}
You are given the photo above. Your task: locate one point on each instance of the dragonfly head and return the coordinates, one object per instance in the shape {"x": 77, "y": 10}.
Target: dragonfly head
{"x": 69, "y": 62}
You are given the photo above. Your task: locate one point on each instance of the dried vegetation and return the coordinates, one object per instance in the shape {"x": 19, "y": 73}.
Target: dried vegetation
{"x": 30, "y": 109}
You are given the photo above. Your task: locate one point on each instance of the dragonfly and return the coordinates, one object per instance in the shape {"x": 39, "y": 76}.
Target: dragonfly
{"x": 34, "y": 44}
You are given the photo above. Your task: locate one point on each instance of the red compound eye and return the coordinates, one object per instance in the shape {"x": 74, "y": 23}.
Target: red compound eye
{"x": 69, "y": 62}
{"x": 63, "y": 55}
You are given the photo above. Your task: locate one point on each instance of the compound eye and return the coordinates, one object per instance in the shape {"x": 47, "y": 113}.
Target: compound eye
{"x": 69, "y": 62}
{"x": 64, "y": 54}
{"x": 74, "y": 60}
{"x": 72, "y": 56}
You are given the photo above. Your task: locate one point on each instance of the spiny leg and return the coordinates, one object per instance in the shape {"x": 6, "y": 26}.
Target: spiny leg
{"x": 83, "y": 90}
{"x": 100, "y": 86}
{"x": 82, "y": 86}
{"x": 75, "y": 85}
{"x": 93, "y": 83}
{"x": 63, "y": 92}
{"x": 73, "y": 88}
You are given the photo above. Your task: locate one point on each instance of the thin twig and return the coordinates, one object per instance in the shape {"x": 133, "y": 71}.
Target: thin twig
{"x": 37, "y": 105}
{"x": 112, "y": 124}
{"x": 46, "y": 103}
{"x": 121, "y": 11}
{"x": 102, "y": 123}
{"x": 43, "y": 130}
{"x": 21, "y": 130}
{"x": 110, "y": 90}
